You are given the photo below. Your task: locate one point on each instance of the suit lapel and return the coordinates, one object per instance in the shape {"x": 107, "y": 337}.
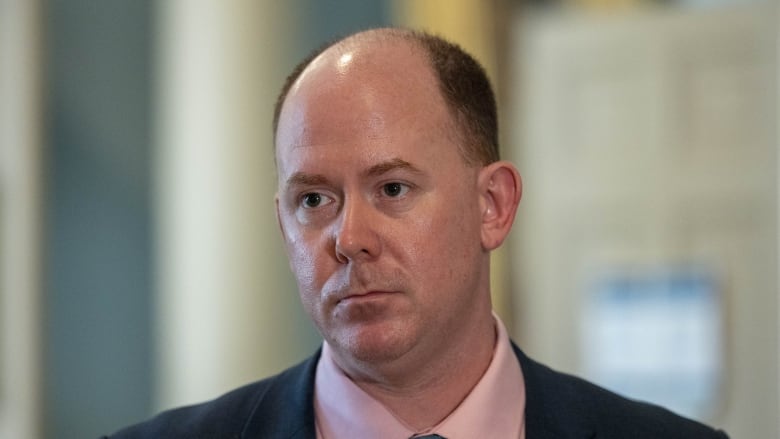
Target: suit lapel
{"x": 552, "y": 409}
{"x": 285, "y": 410}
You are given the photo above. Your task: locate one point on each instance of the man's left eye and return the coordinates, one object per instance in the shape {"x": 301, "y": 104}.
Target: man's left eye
{"x": 395, "y": 189}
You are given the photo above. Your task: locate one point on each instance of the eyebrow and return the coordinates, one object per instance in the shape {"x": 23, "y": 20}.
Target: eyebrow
{"x": 390, "y": 165}
{"x": 304, "y": 179}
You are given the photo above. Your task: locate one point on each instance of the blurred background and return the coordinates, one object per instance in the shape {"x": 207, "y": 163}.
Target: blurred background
{"x": 140, "y": 263}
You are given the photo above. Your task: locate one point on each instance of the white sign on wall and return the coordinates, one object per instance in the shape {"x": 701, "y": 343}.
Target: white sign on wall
{"x": 656, "y": 335}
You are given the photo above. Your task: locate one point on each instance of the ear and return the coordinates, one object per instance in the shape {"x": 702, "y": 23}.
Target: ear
{"x": 500, "y": 191}
{"x": 279, "y": 218}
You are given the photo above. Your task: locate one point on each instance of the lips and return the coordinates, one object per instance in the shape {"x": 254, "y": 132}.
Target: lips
{"x": 365, "y": 295}
{"x": 366, "y": 307}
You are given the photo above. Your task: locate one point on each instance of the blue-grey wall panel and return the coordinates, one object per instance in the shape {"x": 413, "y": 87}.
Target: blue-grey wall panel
{"x": 97, "y": 289}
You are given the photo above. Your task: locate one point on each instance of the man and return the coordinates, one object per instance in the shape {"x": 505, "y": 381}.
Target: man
{"x": 391, "y": 196}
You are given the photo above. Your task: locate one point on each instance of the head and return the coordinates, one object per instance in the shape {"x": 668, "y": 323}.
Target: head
{"x": 390, "y": 197}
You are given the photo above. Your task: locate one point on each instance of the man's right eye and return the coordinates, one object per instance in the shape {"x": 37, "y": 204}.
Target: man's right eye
{"x": 312, "y": 200}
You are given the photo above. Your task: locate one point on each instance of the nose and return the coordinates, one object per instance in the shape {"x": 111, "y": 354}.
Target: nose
{"x": 356, "y": 235}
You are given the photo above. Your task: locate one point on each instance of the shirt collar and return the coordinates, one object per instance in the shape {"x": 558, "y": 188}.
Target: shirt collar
{"x": 343, "y": 409}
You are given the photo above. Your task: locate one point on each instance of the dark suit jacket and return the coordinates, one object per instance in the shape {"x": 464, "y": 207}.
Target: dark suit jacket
{"x": 557, "y": 406}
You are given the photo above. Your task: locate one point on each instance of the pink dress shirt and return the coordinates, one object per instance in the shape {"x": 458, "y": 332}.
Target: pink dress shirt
{"x": 494, "y": 408}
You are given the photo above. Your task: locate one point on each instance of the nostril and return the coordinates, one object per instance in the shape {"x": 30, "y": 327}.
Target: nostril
{"x": 342, "y": 250}
{"x": 340, "y": 256}
{"x": 348, "y": 248}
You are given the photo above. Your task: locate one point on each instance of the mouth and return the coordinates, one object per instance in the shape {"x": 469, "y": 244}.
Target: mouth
{"x": 366, "y": 296}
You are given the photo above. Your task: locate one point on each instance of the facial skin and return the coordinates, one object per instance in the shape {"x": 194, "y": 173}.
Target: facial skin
{"x": 387, "y": 229}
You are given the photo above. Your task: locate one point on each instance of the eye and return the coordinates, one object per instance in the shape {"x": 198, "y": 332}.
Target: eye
{"x": 395, "y": 189}
{"x": 313, "y": 200}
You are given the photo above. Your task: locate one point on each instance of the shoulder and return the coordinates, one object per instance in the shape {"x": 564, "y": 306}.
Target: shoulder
{"x": 221, "y": 417}
{"x": 229, "y": 415}
{"x": 556, "y": 399}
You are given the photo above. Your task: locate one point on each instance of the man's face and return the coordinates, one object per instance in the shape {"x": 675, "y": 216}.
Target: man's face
{"x": 379, "y": 212}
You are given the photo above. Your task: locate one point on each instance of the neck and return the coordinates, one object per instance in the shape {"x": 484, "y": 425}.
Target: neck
{"x": 426, "y": 394}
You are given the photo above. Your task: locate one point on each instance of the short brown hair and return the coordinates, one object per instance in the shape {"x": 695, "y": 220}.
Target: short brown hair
{"x": 462, "y": 82}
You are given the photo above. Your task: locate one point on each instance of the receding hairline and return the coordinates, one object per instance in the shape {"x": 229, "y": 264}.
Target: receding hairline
{"x": 477, "y": 145}
{"x": 360, "y": 40}
{"x": 382, "y": 35}
{"x": 372, "y": 39}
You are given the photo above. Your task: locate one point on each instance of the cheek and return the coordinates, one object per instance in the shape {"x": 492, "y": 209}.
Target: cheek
{"x": 303, "y": 264}
{"x": 302, "y": 251}
{"x": 450, "y": 240}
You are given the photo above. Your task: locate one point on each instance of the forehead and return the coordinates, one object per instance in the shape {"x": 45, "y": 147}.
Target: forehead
{"x": 376, "y": 90}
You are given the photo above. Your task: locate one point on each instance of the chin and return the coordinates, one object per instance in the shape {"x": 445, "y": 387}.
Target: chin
{"x": 376, "y": 344}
